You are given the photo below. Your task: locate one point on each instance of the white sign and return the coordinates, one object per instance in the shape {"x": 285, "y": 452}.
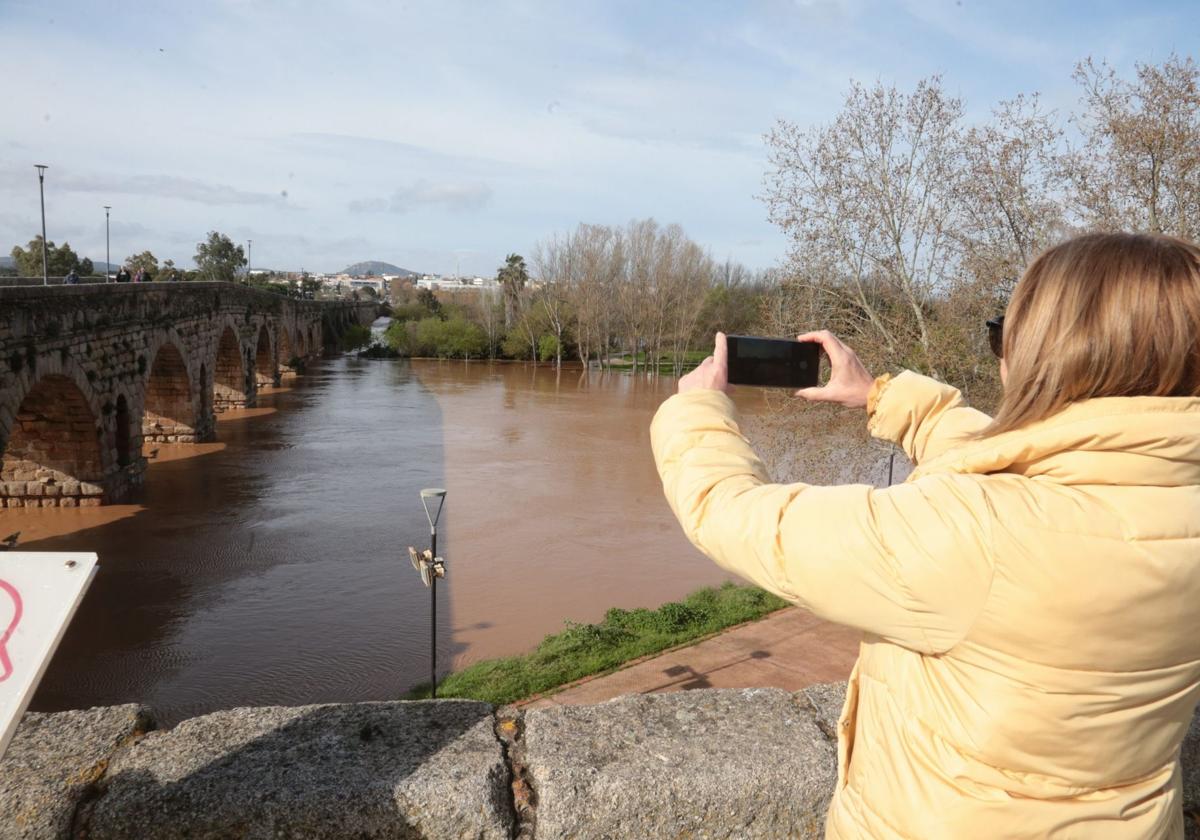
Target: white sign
{"x": 39, "y": 591}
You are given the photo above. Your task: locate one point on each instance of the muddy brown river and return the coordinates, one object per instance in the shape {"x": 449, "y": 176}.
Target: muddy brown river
{"x": 270, "y": 567}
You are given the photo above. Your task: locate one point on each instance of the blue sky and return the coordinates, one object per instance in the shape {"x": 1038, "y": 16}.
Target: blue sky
{"x": 436, "y": 134}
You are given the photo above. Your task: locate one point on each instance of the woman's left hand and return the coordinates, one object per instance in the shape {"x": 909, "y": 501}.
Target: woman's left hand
{"x": 713, "y": 372}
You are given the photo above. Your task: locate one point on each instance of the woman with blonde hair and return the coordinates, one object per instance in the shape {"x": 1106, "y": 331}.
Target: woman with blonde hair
{"x": 1030, "y": 661}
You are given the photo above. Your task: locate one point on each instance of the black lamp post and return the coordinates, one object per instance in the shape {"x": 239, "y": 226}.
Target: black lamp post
{"x": 41, "y": 168}
{"x": 431, "y": 568}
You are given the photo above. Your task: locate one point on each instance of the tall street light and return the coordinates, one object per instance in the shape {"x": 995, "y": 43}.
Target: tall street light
{"x": 107, "y": 254}
{"x": 41, "y": 168}
{"x": 431, "y": 568}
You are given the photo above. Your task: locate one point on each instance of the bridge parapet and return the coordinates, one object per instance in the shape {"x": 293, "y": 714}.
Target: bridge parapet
{"x": 90, "y": 372}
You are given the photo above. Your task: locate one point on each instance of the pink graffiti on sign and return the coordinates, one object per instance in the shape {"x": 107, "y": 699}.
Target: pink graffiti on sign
{"x": 16, "y": 608}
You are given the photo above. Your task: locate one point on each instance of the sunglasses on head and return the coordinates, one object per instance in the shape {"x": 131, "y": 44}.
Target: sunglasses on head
{"x": 995, "y": 328}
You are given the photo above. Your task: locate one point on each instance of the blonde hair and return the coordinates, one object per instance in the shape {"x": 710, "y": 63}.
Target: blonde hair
{"x": 1101, "y": 315}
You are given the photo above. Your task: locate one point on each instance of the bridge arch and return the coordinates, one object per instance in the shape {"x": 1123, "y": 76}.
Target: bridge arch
{"x": 286, "y": 352}
{"x": 124, "y": 442}
{"x": 52, "y": 451}
{"x": 230, "y": 381}
{"x": 171, "y": 406}
{"x": 204, "y": 410}
{"x": 266, "y": 371}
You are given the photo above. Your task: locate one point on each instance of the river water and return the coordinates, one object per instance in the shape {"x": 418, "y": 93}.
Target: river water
{"x": 270, "y": 568}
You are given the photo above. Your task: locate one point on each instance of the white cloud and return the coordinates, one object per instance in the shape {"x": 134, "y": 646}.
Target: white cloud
{"x": 162, "y": 186}
{"x": 454, "y": 197}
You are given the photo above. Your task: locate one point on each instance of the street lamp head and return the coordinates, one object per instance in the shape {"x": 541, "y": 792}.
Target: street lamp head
{"x": 428, "y": 495}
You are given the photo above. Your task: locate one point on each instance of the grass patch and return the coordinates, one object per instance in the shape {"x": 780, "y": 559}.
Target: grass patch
{"x": 582, "y": 650}
{"x": 689, "y": 359}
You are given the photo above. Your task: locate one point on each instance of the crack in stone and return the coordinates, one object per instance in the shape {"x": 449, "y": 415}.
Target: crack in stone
{"x": 830, "y": 735}
{"x": 97, "y": 775}
{"x": 510, "y": 732}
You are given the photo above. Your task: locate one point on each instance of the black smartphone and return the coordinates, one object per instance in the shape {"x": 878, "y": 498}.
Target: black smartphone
{"x": 772, "y": 362}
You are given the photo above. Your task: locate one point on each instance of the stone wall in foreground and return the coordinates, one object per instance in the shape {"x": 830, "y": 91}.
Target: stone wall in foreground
{"x": 714, "y": 763}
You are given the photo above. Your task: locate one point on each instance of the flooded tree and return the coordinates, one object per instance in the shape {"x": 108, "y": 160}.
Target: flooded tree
{"x": 512, "y": 277}
{"x": 556, "y": 265}
{"x": 598, "y": 260}
{"x": 642, "y": 287}
{"x": 488, "y": 311}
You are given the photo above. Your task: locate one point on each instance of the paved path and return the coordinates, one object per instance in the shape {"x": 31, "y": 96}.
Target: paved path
{"x": 789, "y": 649}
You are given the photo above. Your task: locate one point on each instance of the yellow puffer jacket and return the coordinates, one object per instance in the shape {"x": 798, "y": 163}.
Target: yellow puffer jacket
{"x": 1030, "y": 659}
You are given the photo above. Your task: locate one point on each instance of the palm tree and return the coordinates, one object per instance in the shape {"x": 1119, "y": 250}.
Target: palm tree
{"x": 512, "y": 277}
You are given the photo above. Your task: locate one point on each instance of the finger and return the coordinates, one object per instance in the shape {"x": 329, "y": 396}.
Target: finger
{"x": 721, "y": 351}
{"x": 829, "y": 343}
{"x": 821, "y": 394}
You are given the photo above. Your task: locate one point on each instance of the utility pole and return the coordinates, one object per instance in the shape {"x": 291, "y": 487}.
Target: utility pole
{"x": 107, "y": 252}
{"x": 41, "y": 168}
{"x": 249, "y": 257}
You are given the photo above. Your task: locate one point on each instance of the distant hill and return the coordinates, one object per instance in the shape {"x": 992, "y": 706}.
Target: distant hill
{"x": 376, "y": 267}
{"x": 7, "y": 262}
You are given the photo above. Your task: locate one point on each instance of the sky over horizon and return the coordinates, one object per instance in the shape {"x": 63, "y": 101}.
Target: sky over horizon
{"x": 442, "y": 135}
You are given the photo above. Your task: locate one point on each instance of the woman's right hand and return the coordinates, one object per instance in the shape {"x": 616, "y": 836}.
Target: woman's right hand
{"x": 849, "y": 382}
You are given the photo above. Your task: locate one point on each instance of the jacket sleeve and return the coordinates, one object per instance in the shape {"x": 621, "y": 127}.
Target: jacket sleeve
{"x": 911, "y": 563}
{"x": 924, "y": 416}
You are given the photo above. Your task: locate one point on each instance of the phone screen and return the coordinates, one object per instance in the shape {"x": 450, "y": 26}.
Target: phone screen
{"x": 772, "y": 362}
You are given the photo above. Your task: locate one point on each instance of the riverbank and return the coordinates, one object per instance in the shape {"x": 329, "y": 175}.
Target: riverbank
{"x": 790, "y": 649}
{"x": 584, "y": 650}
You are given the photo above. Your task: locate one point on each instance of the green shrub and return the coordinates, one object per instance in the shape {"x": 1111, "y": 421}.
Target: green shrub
{"x": 455, "y": 338}
{"x": 676, "y": 616}
{"x": 399, "y": 336}
{"x": 514, "y": 345}
{"x": 547, "y": 348}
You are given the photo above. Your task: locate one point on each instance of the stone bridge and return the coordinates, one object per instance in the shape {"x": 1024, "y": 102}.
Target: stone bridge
{"x": 87, "y": 373}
